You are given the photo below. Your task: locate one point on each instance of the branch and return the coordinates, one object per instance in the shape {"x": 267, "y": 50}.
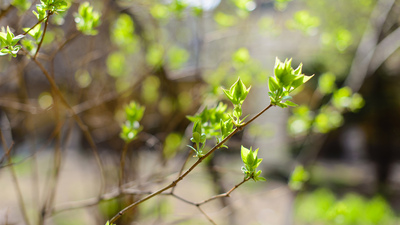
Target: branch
{"x": 96, "y": 200}
{"x": 78, "y": 120}
{"x": 226, "y": 194}
{"x": 44, "y": 33}
{"x": 39, "y": 22}
{"x": 21, "y": 203}
{"x": 5, "y": 11}
{"x": 176, "y": 181}
{"x": 205, "y": 214}
{"x": 366, "y": 48}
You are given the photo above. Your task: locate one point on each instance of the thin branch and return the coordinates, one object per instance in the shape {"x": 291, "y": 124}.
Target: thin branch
{"x": 5, "y": 11}
{"x": 122, "y": 165}
{"x": 43, "y": 35}
{"x": 20, "y": 106}
{"x": 15, "y": 180}
{"x": 72, "y": 37}
{"x": 96, "y": 200}
{"x": 39, "y": 22}
{"x": 176, "y": 181}
{"x": 6, "y": 154}
{"x": 367, "y": 46}
{"x": 78, "y": 120}
{"x": 226, "y": 194}
{"x": 182, "y": 168}
{"x": 205, "y": 214}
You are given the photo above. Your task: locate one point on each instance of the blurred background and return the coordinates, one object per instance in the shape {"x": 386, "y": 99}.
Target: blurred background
{"x": 332, "y": 160}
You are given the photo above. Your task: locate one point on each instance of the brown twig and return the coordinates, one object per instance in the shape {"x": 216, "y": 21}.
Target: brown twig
{"x": 78, "y": 120}
{"x": 226, "y": 194}
{"x": 39, "y": 22}
{"x": 182, "y": 168}
{"x": 15, "y": 180}
{"x": 205, "y": 214}
{"x": 96, "y": 200}
{"x": 5, "y": 11}
{"x": 43, "y": 35}
{"x": 122, "y": 165}
{"x": 176, "y": 181}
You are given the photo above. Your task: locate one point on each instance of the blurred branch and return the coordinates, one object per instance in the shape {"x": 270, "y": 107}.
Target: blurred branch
{"x": 205, "y": 214}
{"x": 224, "y": 195}
{"x": 5, "y": 11}
{"x": 182, "y": 168}
{"x": 360, "y": 67}
{"x": 43, "y": 35}
{"x": 384, "y": 49}
{"x": 20, "y": 106}
{"x": 96, "y": 200}
{"x": 93, "y": 102}
{"x": 80, "y": 123}
{"x": 21, "y": 203}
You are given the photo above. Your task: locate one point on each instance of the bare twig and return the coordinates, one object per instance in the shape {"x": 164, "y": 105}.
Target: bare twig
{"x": 122, "y": 165}
{"x": 21, "y": 203}
{"x": 182, "y": 168}
{"x": 78, "y": 120}
{"x": 96, "y": 200}
{"x": 5, "y": 11}
{"x": 366, "y": 49}
{"x": 176, "y": 181}
{"x": 226, "y": 194}
{"x": 205, "y": 214}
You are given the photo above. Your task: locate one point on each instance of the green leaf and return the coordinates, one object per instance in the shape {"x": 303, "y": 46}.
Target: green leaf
{"x": 244, "y": 154}
{"x": 197, "y": 127}
{"x": 272, "y": 84}
{"x": 289, "y": 103}
{"x": 237, "y": 93}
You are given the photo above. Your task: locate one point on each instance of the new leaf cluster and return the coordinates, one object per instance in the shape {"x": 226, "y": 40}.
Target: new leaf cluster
{"x": 285, "y": 80}
{"x": 131, "y": 127}
{"x": 8, "y": 43}
{"x": 251, "y": 162}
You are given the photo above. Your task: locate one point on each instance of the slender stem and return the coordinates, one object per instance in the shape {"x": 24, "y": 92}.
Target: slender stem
{"x": 177, "y": 180}
{"x": 205, "y": 214}
{"x": 15, "y": 180}
{"x": 96, "y": 200}
{"x": 39, "y": 22}
{"x": 78, "y": 120}
{"x": 5, "y": 11}
{"x": 44, "y": 33}
{"x": 182, "y": 168}
{"x": 226, "y": 194}
{"x": 122, "y": 165}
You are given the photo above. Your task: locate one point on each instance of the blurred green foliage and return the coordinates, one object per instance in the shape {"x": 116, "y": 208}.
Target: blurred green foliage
{"x": 122, "y": 34}
{"x": 322, "y": 207}
{"x": 298, "y": 178}
{"x": 329, "y": 115}
{"x": 86, "y": 19}
{"x": 302, "y": 20}
{"x": 131, "y": 128}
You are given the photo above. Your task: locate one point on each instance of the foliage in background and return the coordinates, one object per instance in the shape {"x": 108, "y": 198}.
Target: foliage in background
{"x": 323, "y": 207}
{"x": 156, "y": 50}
